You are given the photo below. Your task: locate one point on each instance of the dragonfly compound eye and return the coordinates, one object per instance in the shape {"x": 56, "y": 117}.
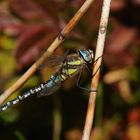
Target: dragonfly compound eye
{"x": 87, "y": 55}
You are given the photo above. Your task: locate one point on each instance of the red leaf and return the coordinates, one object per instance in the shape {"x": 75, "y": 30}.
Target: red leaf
{"x": 120, "y": 39}
{"x": 33, "y": 39}
{"x": 117, "y": 5}
{"x": 30, "y": 11}
{"x": 121, "y": 59}
{"x": 134, "y": 115}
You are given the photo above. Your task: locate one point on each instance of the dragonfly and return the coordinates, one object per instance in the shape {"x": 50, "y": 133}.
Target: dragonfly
{"x": 71, "y": 65}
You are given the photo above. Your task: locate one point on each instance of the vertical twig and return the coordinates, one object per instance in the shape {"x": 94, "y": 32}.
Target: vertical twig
{"x": 59, "y": 39}
{"x": 95, "y": 79}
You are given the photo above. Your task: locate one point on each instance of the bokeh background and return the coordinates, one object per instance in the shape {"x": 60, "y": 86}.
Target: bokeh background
{"x": 27, "y": 28}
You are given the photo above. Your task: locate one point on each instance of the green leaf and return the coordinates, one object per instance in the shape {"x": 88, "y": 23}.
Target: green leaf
{"x": 7, "y": 43}
{"x": 7, "y": 64}
{"x": 19, "y": 135}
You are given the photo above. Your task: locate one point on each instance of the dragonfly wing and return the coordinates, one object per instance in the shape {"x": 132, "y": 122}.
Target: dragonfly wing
{"x": 52, "y": 61}
{"x": 55, "y": 60}
{"x": 48, "y": 90}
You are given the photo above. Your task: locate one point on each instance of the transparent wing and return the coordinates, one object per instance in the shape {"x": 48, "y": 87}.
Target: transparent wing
{"x": 55, "y": 60}
{"x": 49, "y": 90}
{"x": 52, "y": 61}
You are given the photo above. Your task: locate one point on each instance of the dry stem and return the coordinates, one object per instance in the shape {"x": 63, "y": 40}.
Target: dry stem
{"x": 95, "y": 79}
{"x": 59, "y": 39}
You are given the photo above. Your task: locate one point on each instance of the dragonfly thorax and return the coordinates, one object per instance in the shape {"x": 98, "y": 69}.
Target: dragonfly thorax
{"x": 87, "y": 55}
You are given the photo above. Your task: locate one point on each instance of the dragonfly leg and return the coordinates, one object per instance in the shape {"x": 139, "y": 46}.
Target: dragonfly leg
{"x": 98, "y": 67}
{"x": 98, "y": 59}
{"x": 79, "y": 77}
{"x": 83, "y": 88}
{"x": 88, "y": 67}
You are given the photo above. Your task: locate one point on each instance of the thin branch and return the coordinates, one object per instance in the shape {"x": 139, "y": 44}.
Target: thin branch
{"x": 95, "y": 79}
{"x": 59, "y": 39}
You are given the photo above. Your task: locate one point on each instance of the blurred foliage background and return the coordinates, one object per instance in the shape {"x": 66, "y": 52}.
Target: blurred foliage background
{"x": 27, "y": 27}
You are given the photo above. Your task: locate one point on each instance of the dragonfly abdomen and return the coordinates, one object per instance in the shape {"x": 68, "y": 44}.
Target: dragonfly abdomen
{"x": 22, "y": 97}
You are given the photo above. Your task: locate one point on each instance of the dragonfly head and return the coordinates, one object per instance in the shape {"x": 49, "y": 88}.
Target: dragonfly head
{"x": 87, "y": 55}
